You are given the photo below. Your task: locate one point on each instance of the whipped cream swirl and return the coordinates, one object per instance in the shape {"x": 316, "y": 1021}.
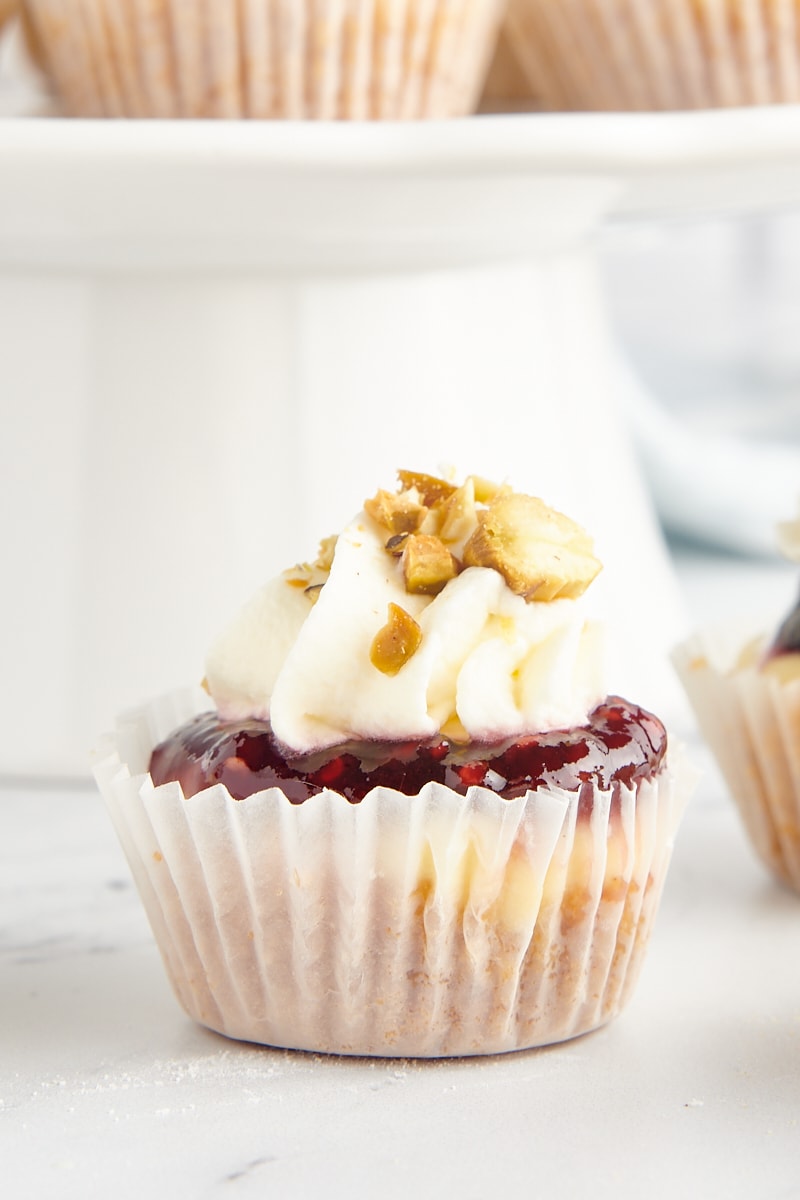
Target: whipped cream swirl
{"x": 490, "y": 665}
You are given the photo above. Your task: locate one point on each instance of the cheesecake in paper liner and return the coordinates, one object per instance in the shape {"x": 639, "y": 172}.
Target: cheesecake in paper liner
{"x": 658, "y": 54}
{"x": 429, "y": 925}
{"x": 267, "y": 58}
{"x": 750, "y": 718}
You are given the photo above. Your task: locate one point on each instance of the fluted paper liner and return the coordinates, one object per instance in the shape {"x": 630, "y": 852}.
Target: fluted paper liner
{"x": 417, "y": 926}
{"x": 658, "y": 54}
{"x": 267, "y": 58}
{"x": 751, "y": 721}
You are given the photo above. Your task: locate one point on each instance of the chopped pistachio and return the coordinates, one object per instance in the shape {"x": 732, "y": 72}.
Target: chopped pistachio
{"x": 401, "y": 513}
{"x": 541, "y": 554}
{"x": 327, "y": 548}
{"x": 485, "y": 490}
{"x": 427, "y": 564}
{"x": 430, "y": 488}
{"x": 313, "y": 590}
{"x": 395, "y": 642}
{"x": 457, "y": 514}
{"x": 396, "y": 543}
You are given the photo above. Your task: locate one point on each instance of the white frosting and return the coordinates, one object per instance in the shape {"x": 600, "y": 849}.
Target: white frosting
{"x": 499, "y": 665}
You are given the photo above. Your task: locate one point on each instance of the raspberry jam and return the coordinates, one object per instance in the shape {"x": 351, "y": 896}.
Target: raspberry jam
{"x": 620, "y": 744}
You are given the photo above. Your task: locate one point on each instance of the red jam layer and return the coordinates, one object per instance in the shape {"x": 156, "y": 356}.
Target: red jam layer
{"x": 620, "y": 744}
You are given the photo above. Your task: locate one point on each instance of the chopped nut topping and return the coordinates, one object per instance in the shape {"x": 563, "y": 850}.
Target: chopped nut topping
{"x": 327, "y": 548}
{"x": 485, "y": 491}
{"x": 401, "y": 513}
{"x": 312, "y": 577}
{"x": 427, "y": 564}
{"x": 458, "y": 514}
{"x": 396, "y": 543}
{"x": 541, "y": 554}
{"x": 396, "y": 642}
{"x": 313, "y": 590}
{"x": 430, "y": 489}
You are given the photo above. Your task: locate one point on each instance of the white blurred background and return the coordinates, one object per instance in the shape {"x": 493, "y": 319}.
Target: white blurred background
{"x": 145, "y": 406}
{"x": 708, "y": 314}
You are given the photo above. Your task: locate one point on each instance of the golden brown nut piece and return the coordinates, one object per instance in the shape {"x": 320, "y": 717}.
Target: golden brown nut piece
{"x": 396, "y": 642}
{"x": 327, "y": 549}
{"x": 431, "y": 489}
{"x": 398, "y": 512}
{"x": 541, "y": 554}
{"x": 427, "y": 564}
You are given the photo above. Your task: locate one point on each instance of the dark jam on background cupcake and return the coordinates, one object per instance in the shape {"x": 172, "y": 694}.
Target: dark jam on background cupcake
{"x": 786, "y": 642}
{"x": 787, "y": 639}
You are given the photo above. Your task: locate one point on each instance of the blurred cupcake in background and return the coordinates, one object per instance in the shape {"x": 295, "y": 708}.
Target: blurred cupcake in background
{"x": 658, "y": 54}
{"x": 746, "y": 698}
{"x": 266, "y": 58}
{"x": 23, "y": 89}
{"x": 507, "y": 88}
{"x": 7, "y": 10}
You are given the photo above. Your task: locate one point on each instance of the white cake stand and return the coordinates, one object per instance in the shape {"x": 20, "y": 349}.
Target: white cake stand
{"x": 217, "y": 339}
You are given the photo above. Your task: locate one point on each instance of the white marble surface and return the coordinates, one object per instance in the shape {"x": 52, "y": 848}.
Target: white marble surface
{"x": 106, "y": 1088}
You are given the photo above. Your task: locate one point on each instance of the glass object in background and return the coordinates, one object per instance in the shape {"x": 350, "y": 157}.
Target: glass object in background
{"x": 708, "y": 315}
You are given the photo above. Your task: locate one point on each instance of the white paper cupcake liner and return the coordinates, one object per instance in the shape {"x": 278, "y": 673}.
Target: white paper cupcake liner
{"x": 658, "y": 54}
{"x": 267, "y": 58}
{"x": 751, "y": 721}
{"x": 403, "y": 926}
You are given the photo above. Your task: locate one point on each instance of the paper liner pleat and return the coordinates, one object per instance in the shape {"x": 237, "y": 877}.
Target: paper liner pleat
{"x": 786, "y": 41}
{"x": 658, "y": 54}
{"x": 751, "y": 721}
{"x": 268, "y": 58}
{"x": 101, "y": 76}
{"x": 477, "y": 36}
{"x": 415, "y": 926}
{"x": 59, "y": 36}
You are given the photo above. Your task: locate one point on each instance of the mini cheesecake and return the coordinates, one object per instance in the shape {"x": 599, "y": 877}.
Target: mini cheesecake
{"x": 409, "y": 819}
